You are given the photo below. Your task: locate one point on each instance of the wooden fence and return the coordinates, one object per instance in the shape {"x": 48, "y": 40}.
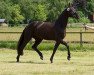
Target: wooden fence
{"x": 80, "y": 36}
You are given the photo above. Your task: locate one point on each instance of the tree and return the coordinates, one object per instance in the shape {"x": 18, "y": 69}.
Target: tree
{"x": 5, "y": 10}
{"x": 90, "y": 6}
{"x": 16, "y": 11}
{"x": 40, "y": 13}
{"x": 54, "y": 7}
{"x": 16, "y": 16}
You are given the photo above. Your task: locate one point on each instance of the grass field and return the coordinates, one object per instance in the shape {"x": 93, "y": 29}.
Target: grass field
{"x": 82, "y": 63}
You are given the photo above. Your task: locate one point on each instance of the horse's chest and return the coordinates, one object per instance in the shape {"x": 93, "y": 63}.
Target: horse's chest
{"x": 61, "y": 34}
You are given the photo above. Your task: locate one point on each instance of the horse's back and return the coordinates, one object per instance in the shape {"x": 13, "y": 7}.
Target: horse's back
{"x": 43, "y": 30}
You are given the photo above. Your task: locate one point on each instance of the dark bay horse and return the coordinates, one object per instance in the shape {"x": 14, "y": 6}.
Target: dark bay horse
{"x": 46, "y": 30}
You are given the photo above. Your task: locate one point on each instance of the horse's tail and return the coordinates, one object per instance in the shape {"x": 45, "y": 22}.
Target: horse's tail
{"x": 19, "y": 46}
{"x": 25, "y": 38}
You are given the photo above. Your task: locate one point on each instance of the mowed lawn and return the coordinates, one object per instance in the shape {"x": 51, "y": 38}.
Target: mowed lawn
{"x": 82, "y": 63}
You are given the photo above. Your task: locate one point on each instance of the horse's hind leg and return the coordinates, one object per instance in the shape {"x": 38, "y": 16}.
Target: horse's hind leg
{"x": 37, "y": 42}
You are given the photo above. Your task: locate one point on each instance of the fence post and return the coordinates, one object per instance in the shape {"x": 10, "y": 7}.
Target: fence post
{"x": 81, "y": 40}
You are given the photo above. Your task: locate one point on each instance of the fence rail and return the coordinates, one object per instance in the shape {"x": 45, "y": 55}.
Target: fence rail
{"x": 80, "y": 35}
{"x": 66, "y": 32}
{"x": 11, "y": 32}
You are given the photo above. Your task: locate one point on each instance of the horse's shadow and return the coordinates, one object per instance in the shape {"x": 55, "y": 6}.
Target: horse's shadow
{"x": 28, "y": 62}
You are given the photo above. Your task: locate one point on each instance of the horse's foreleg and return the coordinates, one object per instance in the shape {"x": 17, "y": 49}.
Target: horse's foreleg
{"x": 54, "y": 51}
{"x": 64, "y": 43}
{"x": 37, "y": 42}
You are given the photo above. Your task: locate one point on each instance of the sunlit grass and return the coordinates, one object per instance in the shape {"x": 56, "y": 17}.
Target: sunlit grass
{"x": 82, "y": 63}
{"x": 47, "y": 45}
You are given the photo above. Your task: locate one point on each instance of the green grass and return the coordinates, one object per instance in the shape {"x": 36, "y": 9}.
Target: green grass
{"x": 48, "y": 46}
{"x": 82, "y": 63}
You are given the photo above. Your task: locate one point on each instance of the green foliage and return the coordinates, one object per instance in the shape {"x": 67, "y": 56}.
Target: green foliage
{"x": 16, "y": 16}
{"x": 5, "y": 10}
{"x": 55, "y": 8}
{"x": 18, "y": 11}
{"x": 27, "y": 8}
{"x": 84, "y": 20}
{"x": 40, "y": 13}
{"x": 90, "y": 6}
{"x": 71, "y": 20}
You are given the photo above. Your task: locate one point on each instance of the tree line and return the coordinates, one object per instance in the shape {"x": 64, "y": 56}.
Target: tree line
{"x": 21, "y": 11}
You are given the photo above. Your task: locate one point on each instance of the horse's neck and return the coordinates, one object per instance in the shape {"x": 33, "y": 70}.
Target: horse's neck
{"x": 62, "y": 21}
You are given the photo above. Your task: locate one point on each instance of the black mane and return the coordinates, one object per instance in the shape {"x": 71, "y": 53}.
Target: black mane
{"x": 63, "y": 16}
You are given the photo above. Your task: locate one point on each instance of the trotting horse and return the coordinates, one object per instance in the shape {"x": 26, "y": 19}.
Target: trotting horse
{"x": 46, "y": 30}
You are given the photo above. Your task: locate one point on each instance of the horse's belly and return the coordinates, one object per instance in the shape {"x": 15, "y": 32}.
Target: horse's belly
{"x": 49, "y": 38}
{"x": 45, "y": 35}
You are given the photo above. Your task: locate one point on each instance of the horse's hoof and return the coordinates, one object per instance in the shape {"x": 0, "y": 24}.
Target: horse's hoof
{"x": 68, "y": 58}
{"x": 51, "y": 60}
{"x": 17, "y": 61}
{"x": 41, "y": 58}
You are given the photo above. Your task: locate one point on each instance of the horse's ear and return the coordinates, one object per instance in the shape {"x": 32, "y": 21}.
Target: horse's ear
{"x": 69, "y": 5}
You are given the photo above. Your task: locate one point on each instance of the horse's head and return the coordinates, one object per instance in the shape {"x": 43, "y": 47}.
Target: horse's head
{"x": 72, "y": 12}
